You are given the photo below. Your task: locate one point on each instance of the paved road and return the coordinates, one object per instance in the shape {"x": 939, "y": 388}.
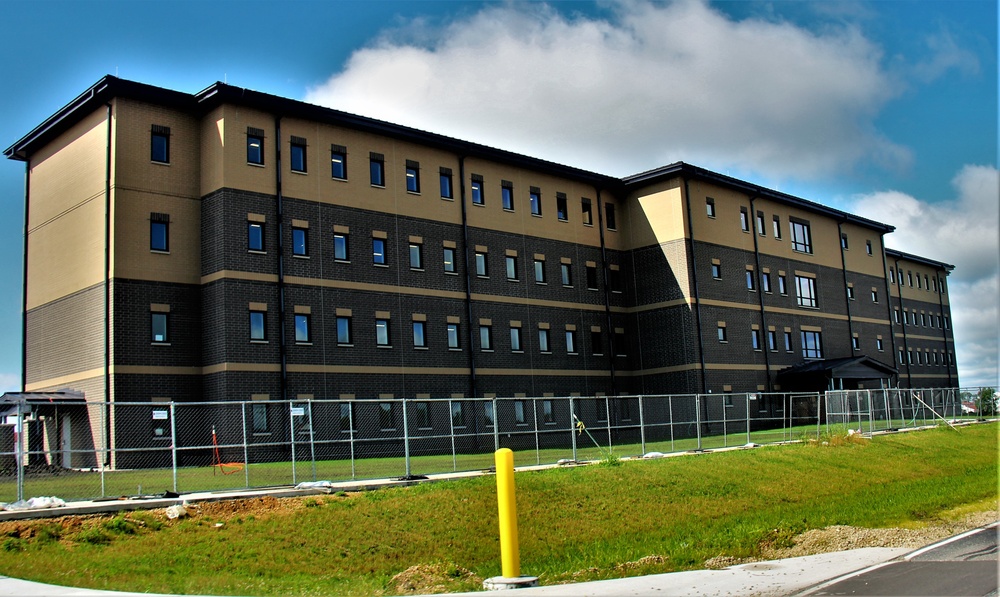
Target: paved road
{"x": 966, "y": 564}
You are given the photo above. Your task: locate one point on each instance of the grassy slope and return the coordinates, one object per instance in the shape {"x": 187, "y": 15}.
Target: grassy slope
{"x": 685, "y": 509}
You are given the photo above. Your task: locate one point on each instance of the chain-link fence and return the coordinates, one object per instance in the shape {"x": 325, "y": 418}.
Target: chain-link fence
{"x": 80, "y": 450}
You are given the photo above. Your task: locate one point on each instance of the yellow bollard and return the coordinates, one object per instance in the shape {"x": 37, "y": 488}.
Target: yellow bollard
{"x": 510, "y": 556}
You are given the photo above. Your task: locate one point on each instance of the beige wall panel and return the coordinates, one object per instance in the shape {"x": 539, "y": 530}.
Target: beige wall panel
{"x": 921, "y": 294}
{"x": 237, "y": 173}
{"x": 66, "y": 254}
{"x": 825, "y": 237}
{"x": 657, "y": 215}
{"x": 135, "y": 170}
{"x": 132, "y": 257}
{"x": 213, "y": 128}
{"x": 724, "y": 229}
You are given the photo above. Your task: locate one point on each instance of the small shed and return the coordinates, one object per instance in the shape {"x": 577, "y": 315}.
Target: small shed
{"x": 849, "y": 373}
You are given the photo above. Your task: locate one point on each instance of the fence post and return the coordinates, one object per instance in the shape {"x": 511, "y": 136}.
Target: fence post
{"x": 291, "y": 436}
{"x": 572, "y": 428}
{"x": 173, "y": 442}
{"x": 103, "y": 457}
{"x": 19, "y": 452}
{"x": 451, "y": 427}
{"x": 642, "y": 426}
{"x": 246, "y": 450}
{"x": 747, "y": 413}
{"x": 406, "y": 439}
{"x": 697, "y": 418}
{"x": 312, "y": 439}
{"x": 670, "y": 419}
{"x": 350, "y": 436}
{"x": 496, "y": 424}
{"x": 534, "y": 411}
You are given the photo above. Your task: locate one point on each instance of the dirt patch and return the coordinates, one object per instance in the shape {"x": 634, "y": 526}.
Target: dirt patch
{"x": 256, "y": 507}
{"x": 433, "y": 578}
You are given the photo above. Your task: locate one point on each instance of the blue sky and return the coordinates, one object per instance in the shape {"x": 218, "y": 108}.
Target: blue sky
{"x": 887, "y": 109}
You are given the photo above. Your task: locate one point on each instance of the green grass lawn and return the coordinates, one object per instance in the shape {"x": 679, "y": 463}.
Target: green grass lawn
{"x": 585, "y": 519}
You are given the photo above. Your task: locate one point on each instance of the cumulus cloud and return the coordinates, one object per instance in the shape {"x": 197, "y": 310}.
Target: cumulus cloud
{"x": 651, "y": 85}
{"x": 962, "y": 232}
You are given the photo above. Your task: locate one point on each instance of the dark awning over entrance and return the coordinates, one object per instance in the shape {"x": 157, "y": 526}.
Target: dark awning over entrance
{"x": 29, "y": 401}
{"x": 826, "y": 374}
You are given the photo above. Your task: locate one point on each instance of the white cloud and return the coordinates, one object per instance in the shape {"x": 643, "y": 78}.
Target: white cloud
{"x": 962, "y": 232}
{"x": 653, "y": 85}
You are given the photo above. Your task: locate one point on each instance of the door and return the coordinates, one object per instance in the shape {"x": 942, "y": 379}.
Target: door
{"x": 65, "y": 443}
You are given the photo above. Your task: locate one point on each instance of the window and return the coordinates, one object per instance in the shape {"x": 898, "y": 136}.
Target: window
{"x": 855, "y": 343}
{"x": 420, "y": 334}
{"x": 457, "y": 415}
{"x": 609, "y": 216}
{"x": 721, "y": 331}
{"x": 481, "y": 266}
{"x": 902, "y": 357}
{"x": 806, "y": 289}
{"x": 300, "y": 242}
{"x": 341, "y": 250}
{"x": 772, "y": 340}
{"x": 588, "y": 215}
{"x": 159, "y": 232}
{"x": 801, "y": 237}
{"x": 255, "y": 146}
{"x": 596, "y": 343}
{"x": 453, "y": 337}
{"x": 376, "y": 167}
{"x": 507, "y": 195}
{"x": 543, "y": 340}
{"x": 258, "y": 331}
{"x": 344, "y": 330}
{"x": 874, "y": 295}
{"x": 760, "y": 224}
{"x": 255, "y": 236}
{"x": 449, "y": 260}
{"x": 868, "y": 247}
{"x": 751, "y": 280}
{"x": 160, "y": 144}
{"x": 892, "y": 276}
{"x": 338, "y": 162}
{"x": 744, "y": 220}
{"x": 535, "y": 201}
{"x": 566, "y": 274}
{"x": 547, "y": 416}
{"x": 776, "y": 224}
{"x": 755, "y": 339}
{"x": 302, "y": 328}
{"x": 717, "y": 271}
{"x": 298, "y": 157}
{"x": 478, "y": 198}
{"x": 782, "y": 284}
{"x": 158, "y": 326}
{"x": 446, "y": 191}
{"x": 519, "y": 412}
{"x": 562, "y": 212}
{"x": 620, "y": 343}
{"x": 382, "y": 332}
{"x": 258, "y": 417}
{"x": 539, "y": 271}
{"x": 850, "y": 292}
{"x": 515, "y": 339}
{"x": 591, "y": 277}
{"x": 386, "y": 419}
{"x": 511, "y": 263}
{"x": 488, "y": 413}
{"x": 909, "y": 278}
{"x": 378, "y": 251}
{"x": 423, "y": 415}
{"x": 710, "y": 207}
{"x": 878, "y": 344}
{"x": 615, "y": 280}
{"x": 812, "y": 345}
{"x": 843, "y": 241}
{"x": 571, "y": 341}
{"x": 412, "y": 176}
{"x": 765, "y": 282}
{"x": 485, "y": 337}
{"x": 788, "y": 341}
{"x": 416, "y": 256}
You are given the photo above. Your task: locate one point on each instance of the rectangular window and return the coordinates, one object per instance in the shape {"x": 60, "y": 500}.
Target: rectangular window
{"x": 446, "y": 190}
{"x": 868, "y": 247}
{"x": 721, "y": 332}
{"x": 562, "y": 211}
{"x": 878, "y": 344}
{"x": 382, "y": 332}
{"x": 751, "y": 280}
{"x": 376, "y": 168}
{"x": 788, "y": 342}
{"x": 620, "y": 343}
{"x": 298, "y": 154}
{"x": 302, "y": 328}
{"x": 615, "y": 280}
{"x": 596, "y": 343}
{"x": 717, "y": 271}
{"x": 255, "y": 146}
{"x": 511, "y": 263}
{"x": 772, "y": 340}
{"x": 806, "y": 291}
{"x": 478, "y": 198}
{"x": 420, "y": 334}
{"x": 591, "y": 277}
{"x": 344, "y": 331}
{"x": 547, "y": 417}
{"x": 457, "y": 415}
{"x": 843, "y": 241}
{"x": 571, "y": 341}
{"x": 609, "y": 216}
{"x": 423, "y": 415}
{"x": 515, "y": 339}
{"x": 416, "y": 256}
{"x": 765, "y": 282}
{"x": 481, "y": 265}
{"x": 488, "y": 413}
{"x": 255, "y": 236}
{"x": 760, "y": 224}
{"x": 539, "y": 271}
{"x": 909, "y": 278}
{"x": 258, "y": 416}
{"x": 892, "y": 276}
{"x": 535, "y": 201}
{"x": 588, "y": 215}
{"x": 160, "y": 144}
{"x": 412, "y": 176}
{"x": 782, "y": 284}
{"x": 258, "y": 330}
{"x": 801, "y": 236}
{"x": 776, "y": 224}
{"x": 519, "y": 412}
{"x": 543, "y": 340}
{"x": 850, "y": 292}
{"x": 449, "y": 260}
{"x": 566, "y": 274}
{"x": 744, "y": 220}
{"x": 338, "y": 162}
{"x": 855, "y": 343}
{"x": 710, "y": 207}
{"x": 507, "y": 195}
{"x": 300, "y": 242}
{"x": 386, "y": 420}
{"x": 755, "y": 339}
{"x": 158, "y": 326}
{"x": 341, "y": 248}
{"x": 485, "y": 337}
{"x": 159, "y": 232}
{"x": 874, "y": 295}
{"x": 812, "y": 345}
{"x": 453, "y": 337}
{"x": 378, "y": 251}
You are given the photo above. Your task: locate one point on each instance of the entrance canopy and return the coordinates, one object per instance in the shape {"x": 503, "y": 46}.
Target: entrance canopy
{"x": 27, "y": 402}
{"x": 836, "y": 374}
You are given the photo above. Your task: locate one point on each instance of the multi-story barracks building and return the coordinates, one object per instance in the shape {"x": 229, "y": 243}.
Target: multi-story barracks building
{"x": 235, "y": 245}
